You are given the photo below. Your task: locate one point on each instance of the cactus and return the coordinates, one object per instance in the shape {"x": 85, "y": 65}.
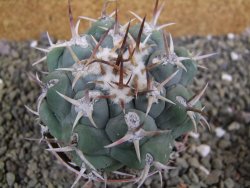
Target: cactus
{"x": 115, "y": 98}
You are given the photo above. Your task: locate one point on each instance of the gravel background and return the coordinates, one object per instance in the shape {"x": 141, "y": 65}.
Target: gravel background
{"x": 227, "y": 164}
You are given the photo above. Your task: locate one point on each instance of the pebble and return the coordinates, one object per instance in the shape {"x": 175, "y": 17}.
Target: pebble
{"x": 1, "y": 83}
{"x": 204, "y": 170}
{"x": 174, "y": 173}
{"x": 206, "y": 162}
{"x": 229, "y": 183}
{"x": 230, "y": 36}
{"x": 1, "y": 129}
{"x": 194, "y": 162}
{"x": 194, "y": 186}
{"x": 219, "y": 132}
{"x": 226, "y": 77}
{"x": 213, "y": 177}
{"x": 194, "y": 134}
{"x": 182, "y": 163}
{"x": 10, "y": 178}
{"x": 234, "y": 126}
{"x": 223, "y": 144}
{"x": 203, "y": 150}
{"x": 4, "y": 48}
{"x": 234, "y": 56}
{"x": 217, "y": 163}
{"x": 193, "y": 177}
{"x": 3, "y": 150}
{"x": 33, "y": 44}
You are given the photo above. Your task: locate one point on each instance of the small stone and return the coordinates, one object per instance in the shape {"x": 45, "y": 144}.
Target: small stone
{"x": 219, "y": 132}
{"x": 174, "y": 172}
{"x": 193, "y": 177}
{"x": 182, "y": 163}
{"x": 1, "y": 84}
{"x": 206, "y": 162}
{"x": 186, "y": 179}
{"x": 32, "y": 183}
{"x": 234, "y": 126}
{"x": 194, "y": 162}
{"x": 174, "y": 181}
{"x": 230, "y": 36}
{"x": 204, "y": 170}
{"x": 4, "y": 48}
{"x": 33, "y": 43}
{"x": 229, "y": 171}
{"x": 3, "y": 150}
{"x": 209, "y": 37}
{"x": 213, "y": 177}
{"x": 221, "y": 184}
{"x": 194, "y": 135}
{"x": 14, "y": 53}
{"x": 223, "y": 144}
{"x": 226, "y": 77}
{"x": 229, "y": 183}
{"x": 10, "y": 178}
{"x": 203, "y": 150}
{"x": 234, "y": 56}
{"x": 1, "y": 165}
{"x": 217, "y": 163}
{"x": 194, "y": 186}
{"x": 1, "y": 130}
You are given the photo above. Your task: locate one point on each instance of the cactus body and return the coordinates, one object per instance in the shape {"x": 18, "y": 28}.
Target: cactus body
{"x": 116, "y": 98}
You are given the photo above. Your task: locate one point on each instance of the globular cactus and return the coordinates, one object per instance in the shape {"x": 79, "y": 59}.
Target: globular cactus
{"x": 116, "y": 99}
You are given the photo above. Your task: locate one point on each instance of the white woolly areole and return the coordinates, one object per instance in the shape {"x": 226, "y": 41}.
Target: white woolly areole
{"x": 171, "y": 58}
{"x": 132, "y": 120}
{"x": 93, "y": 94}
{"x": 79, "y": 40}
{"x": 154, "y": 93}
{"x": 181, "y": 100}
{"x": 107, "y": 78}
{"x": 121, "y": 94}
{"x": 138, "y": 70}
{"x": 148, "y": 29}
{"x": 85, "y": 106}
{"x": 77, "y": 68}
{"x": 149, "y": 159}
{"x": 156, "y": 60}
{"x": 106, "y": 54}
{"x": 138, "y": 135}
{"x": 51, "y": 83}
{"x": 93, "y": 68}
{"x": 44, "y": 129}
{"x": 117, "y": 37}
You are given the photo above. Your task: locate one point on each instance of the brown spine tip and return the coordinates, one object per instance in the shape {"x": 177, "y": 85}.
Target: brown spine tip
{"x": 138, "y": 40}
{"x": 155, "y": 8}
{"x": 121, "y": 75}
{"x": 99, "y": 43}
{"x": 116, "y": 27}
{"x": 71, "y": 20}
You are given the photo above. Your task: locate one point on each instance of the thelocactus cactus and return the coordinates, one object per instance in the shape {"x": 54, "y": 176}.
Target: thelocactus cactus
{"x": 116, "y": 99}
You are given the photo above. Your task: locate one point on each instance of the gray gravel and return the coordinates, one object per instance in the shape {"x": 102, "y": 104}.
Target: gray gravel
{"x": 25, "y": 163}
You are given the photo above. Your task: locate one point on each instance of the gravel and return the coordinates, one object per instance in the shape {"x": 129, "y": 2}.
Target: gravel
{"x": 25, "y": 163}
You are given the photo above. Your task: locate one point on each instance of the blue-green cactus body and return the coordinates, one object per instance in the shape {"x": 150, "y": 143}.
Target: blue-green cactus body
{"x": 122, "y": 93}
